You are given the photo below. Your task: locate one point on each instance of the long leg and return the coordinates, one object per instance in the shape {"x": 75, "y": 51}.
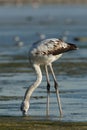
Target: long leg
{"x": 56, "y": 88}
{"x": 48, "y": 90}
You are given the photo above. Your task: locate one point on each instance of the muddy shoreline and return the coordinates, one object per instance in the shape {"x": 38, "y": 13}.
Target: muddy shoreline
{"x": 22, "y": 123}
{"x": 35, "y": 2}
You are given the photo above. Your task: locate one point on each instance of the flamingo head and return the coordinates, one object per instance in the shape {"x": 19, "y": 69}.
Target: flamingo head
{"x": 24, "y": 107}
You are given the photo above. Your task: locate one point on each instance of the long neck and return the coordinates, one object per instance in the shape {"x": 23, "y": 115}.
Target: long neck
{"x": 35, "y": 84}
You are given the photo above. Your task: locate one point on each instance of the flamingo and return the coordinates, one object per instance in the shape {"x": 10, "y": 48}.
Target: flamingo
{"x": 44, "y": 53}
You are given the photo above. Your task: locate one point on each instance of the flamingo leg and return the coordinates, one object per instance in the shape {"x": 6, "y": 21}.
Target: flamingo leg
{"x": 56, "y": 89}
{"x": 48, "y": 90}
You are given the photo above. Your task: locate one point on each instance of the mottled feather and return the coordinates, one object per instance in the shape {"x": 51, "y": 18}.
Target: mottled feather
{"x": 52, "y": 46}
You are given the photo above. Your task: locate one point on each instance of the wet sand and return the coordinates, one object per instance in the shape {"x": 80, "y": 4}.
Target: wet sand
{"x": 24, "y": 123}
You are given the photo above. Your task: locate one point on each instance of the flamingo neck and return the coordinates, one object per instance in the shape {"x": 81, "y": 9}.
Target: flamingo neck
{"x": 31, "y": 89}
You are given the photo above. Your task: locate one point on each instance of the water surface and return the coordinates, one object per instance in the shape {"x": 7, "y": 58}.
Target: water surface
{"x": 71, "y": 70}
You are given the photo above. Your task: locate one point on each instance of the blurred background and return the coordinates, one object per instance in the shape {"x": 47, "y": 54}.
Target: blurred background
{"x": 23, "y": 22}
{"x": 16, "y": 2}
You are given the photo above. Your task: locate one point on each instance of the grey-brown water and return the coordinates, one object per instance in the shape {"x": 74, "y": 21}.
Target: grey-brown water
{"x": 26, "y": 25}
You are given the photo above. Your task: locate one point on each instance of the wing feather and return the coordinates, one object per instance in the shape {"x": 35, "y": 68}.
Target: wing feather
{"x": 52, "y": 46}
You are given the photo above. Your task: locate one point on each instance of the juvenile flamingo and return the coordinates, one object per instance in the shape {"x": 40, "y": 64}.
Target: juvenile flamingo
{"x": 44, "y": 53}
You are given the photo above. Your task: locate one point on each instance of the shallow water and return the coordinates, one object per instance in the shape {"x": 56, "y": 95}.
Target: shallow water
{"x": 71, "y": 70}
